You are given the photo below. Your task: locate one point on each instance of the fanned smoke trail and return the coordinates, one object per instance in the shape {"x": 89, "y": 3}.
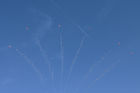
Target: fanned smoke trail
{"x": 94, "y": 64}
{"x": 81, "y": 29}
{"x": 30, "y": 62}
{"x": 103, "y": 74}
{"x": 76, "y": 56}
{"x": 40, "y": 34}
{"x": 62, "y": 54}
{"x": 99, "y": 61}
{"x": 90, "y": 70}
{"x": 45, "y": 56}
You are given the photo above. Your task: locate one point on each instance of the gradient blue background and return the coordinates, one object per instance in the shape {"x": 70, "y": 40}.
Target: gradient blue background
{"x": 112, "y": 40}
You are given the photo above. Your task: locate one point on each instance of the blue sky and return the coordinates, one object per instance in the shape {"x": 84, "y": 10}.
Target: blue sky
{"x": 69, "y": 46}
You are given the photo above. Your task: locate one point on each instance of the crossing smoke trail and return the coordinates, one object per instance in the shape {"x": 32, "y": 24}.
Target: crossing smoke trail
{"x": 103, "y": 74}
{"x": 30, "y": 62}
{"x": 85, "y": 77}
{"x": 99, "y": 61}
{"x": 45, "y": 56}
{"x": 94, "y": 64}
{"x": 40, "y": 34}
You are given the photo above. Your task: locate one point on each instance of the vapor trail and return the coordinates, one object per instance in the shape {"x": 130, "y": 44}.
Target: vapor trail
{"x": 105, "y": 71}
{"x": 40, "y": 34}
{"x": 66, "y": 16}
{"x": 94, "y": 64}
{"x": 62, "y": 54}
{"x": 102, "y": 74}
{"x": 30, "y": 62}
{"x": 45, "y": 56}
{"x": 85, "y": 77}
{"x": 81, "y": 29}
{"x": 76, "y": 56}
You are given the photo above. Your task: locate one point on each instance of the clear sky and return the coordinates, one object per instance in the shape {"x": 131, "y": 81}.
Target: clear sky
{"x": 69, "y": 46}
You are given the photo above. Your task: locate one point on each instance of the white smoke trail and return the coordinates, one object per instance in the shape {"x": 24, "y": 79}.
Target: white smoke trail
{"x": 62, "y": 58}
{"x": 85, "y": 77}
{"x": 45, "y": 56}
{"x": 94, "y": 64}
{"x": 62, "y": 54}
{"x": 98, "y": 62}
{"x": 103, "y": 74}
{"x": 40, "y": 34}
{"x": 30, "y": 62}
{"x": 81, "y": 29}
{"x": 76, "y": 56}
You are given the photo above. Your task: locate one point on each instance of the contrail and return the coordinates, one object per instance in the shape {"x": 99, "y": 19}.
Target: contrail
{"x": 94, "y": 64}
{"x": 85, "y": 77}
{"x": 105, "y": 71}
{"x": 39, "y": 35}
{"x": 99, "y": 61}
{"x": 76, "y": 56}
{"x": 81, "y": 29}
{"x": 62, "y": 54}
{"x": 45, "y": 56}
{"x": 101, "y": 75}
{"x": 30, "y": 62}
